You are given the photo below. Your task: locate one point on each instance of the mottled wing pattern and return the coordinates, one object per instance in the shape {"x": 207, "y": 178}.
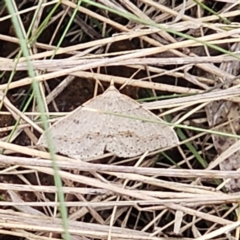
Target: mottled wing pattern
{"x": 80, "y": 133}
{"x": 129, "y": 137}
{"x": 85, "y": 134}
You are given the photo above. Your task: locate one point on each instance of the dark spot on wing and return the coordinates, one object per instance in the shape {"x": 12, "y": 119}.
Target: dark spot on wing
{"x": 76, "y": 121}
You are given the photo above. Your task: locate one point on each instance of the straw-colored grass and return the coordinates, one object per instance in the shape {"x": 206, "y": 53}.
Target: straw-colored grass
{"x": 179, "y": 59}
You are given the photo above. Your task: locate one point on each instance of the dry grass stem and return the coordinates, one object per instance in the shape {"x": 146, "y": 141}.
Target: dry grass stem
{"x": 180, "y": 59}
